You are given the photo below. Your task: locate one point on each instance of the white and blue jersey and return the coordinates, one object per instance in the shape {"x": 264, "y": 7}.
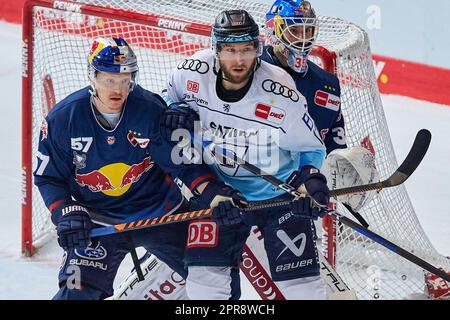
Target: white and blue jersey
{"x": 269, "y": 127}
{"x": 323, "y": 95}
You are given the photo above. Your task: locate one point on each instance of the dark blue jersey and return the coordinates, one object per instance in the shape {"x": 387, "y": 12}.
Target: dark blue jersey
{"x": 322, "y": 92}
{"x": 115, "y": 172}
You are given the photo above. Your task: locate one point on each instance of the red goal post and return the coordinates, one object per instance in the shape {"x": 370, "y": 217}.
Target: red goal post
{"x": 56, "y": 38}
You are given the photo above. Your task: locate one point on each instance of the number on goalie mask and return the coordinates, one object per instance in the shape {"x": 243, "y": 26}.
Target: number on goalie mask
{"x": 351, "y": 167}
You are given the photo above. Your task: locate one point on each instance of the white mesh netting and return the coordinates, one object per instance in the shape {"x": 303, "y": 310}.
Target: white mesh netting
{"x": 61, "y": 41}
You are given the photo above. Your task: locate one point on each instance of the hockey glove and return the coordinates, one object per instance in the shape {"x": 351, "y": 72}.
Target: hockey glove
{"x": 177, "y": 116}
{"x": 316, "y": 185}
{"x": 224, "y": 200}
{"x": 73, "y": 226}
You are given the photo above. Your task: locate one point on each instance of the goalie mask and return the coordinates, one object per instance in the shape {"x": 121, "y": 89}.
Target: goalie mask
{"x": 291, "y": 27}
{"x": 112, "y": 55}
{"x": 351, "y": 167}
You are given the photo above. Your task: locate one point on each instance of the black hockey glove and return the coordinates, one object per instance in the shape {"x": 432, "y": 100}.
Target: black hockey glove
{"x": 316, "y": 185}
{"x": 224, "y": 200}
{"x": 177, "y": 116}
{"x": 73, "y": 226}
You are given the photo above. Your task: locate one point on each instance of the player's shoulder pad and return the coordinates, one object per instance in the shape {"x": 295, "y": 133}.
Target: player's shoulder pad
{"x": 65, "y": 111}
{"x": 278, "y": 81}
{"x": 201, "y": 62}
{"x": 323, "y": 75}
{"x": 146, "y": 103}
{"x": 277, "y": 73}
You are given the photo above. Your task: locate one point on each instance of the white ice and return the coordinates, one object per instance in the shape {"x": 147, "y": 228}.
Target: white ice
{"x": 36, "y": 278}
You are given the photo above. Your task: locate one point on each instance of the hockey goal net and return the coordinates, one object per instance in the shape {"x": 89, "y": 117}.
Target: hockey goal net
{"x": 56, "y": 38}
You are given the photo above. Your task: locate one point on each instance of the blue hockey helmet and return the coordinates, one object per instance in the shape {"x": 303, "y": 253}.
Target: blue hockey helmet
{"x": 112, "y": 55}
{"x": 235, "y": 26}
{"x": 291, "y": 25}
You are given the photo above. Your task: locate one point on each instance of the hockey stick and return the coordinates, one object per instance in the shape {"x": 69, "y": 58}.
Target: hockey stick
{"x": 409, "y": 165}
{"x": 151, "y": 222}
{"x": 406, "y": 169}
{"x": 391, "y": 246}
{"x": 174, "y": 218}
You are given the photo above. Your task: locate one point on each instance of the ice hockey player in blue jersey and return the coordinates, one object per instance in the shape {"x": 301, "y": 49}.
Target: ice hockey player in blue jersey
{"x": 249, "y": 106}
{"x": 99, "y": 163}
{"x": 292, "y": 29}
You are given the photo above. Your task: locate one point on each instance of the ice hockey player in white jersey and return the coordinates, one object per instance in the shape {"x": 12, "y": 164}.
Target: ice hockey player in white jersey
{"x": 252, "y": 109}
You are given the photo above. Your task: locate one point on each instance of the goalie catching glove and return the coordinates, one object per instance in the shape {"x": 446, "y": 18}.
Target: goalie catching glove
{"x": 315, "y": 183}
{"x": 350, "y": 167}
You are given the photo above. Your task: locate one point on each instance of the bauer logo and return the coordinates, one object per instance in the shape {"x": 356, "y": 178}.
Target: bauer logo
{"x": 290, "y": 244}
{"x": 327, "y": 100}
{"x": 172, "y": 24}
{"x": 202, "y": 233}
{"x": 192, "y": 86}
{"x": 271, "y": 114}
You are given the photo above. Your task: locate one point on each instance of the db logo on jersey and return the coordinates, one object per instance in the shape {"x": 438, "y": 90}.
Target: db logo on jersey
{"x": 192, "y": 86}
{"x": 327, "y": 100}
{"x": 270, "y": 114}
{"x": 202, "y": 233}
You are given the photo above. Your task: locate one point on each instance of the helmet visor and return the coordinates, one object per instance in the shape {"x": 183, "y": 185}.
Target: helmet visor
{"x": 239, "y": 51}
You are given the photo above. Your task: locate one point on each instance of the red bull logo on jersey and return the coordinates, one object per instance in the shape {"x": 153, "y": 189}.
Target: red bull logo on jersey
{"x": 114, "y": 179}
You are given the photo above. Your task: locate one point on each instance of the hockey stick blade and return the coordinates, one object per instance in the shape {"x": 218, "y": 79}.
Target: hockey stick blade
{"x": 391, "y": 246}
{"x": 406, "y": 169}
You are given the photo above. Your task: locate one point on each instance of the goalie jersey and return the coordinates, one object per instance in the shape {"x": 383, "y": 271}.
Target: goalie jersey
{"x": 269, "y": 127}
{"x": 117, "y": 172}
{"x": 323, "y": 94}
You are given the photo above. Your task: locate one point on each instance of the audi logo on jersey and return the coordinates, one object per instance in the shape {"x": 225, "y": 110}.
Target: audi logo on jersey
{"x": 280, "y": 90}
{"x": 194, "y": 65}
